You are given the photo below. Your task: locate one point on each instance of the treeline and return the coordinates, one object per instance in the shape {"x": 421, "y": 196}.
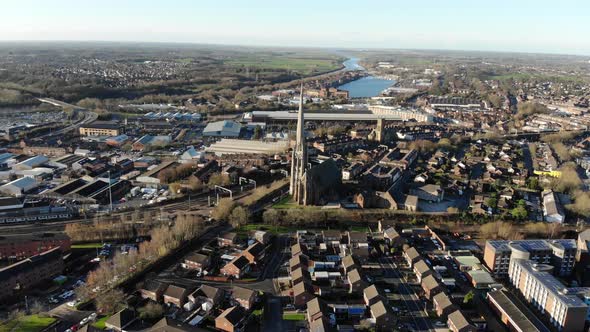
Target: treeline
{"x": 100, "y": 283}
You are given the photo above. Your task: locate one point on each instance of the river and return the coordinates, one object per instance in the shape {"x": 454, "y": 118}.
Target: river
{"x": 365, "y": 87}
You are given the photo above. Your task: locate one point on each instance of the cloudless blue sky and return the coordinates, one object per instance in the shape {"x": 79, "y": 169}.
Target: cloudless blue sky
{"x": 497, "y": 25}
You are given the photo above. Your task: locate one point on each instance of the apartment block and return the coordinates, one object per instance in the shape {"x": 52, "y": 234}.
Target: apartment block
{"x": 560, "y": 254}
{"x": 565, "y": 309}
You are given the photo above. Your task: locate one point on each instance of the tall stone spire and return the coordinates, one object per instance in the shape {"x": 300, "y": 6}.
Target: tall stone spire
{"x": 298, "y": 184}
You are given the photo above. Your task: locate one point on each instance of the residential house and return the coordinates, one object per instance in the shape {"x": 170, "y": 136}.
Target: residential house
{"x": 227, "y": 239}
{"x": 431, "y": 286}
{"x": 262, "y": 237}
{"x": 442, "y": 304}
{"x": 254, "y": 252}
{"x": 121, "y": 320}
{"x": 422, "y": 270}
{"x": 332, "y": 237}
{"x": 371, "y": 295}
{"x": 244, "y": 297}
{"x": 348, "y": 263}
{"x": 196, "y": 261}
{"x": 206, "y": 293}
{"x": 302, "y": 293}
{"x": 175, "y": 295}
{"x": 458, "y": 323}
{"x": 357, "y": 239}
{"x": 355, "y": 281}
{"x": 299, "y": 261}
{"x": 412, "y": 256}
{"x": 153, "y": 290}
{"x": 392, "y": 237}
{"x": 300, "y": 275}
{"x": 231, "y": 319}
{"x": 236, "y": 268}
{"x": 383, "y": 316}
{"x": 316, "y": 309}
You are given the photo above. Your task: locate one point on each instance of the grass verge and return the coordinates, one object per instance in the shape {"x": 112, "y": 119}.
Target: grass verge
{"x": 32, "y": 323}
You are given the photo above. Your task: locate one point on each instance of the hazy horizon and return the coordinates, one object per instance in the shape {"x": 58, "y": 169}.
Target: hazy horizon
{"x": 502, "y": 26}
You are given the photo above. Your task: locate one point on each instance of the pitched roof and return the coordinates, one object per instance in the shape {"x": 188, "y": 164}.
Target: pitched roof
{"x": 255, "y": 249}
{"x": 302, "y": 287}
{"x": 430, "y": 283}
{"x": 242, "y": 293}
{"x": 176, "y": 292}
{"x": 240, "y": 262}
{"x": 348, "y": 262}
{"x": 412, "y": 253}
{"x": 233, "y": 315}
{"x": 154, "y": 286}
{"x": 320, "y": 325}
{"x": 379, "y": 309}
{"x": 442, "y": 300}
{"x": 316, "y": 306}
{"x": 354, "y": 276}
{"x": 421, "y": 267}
{"x": 207, "y": 291}
{"x": 167, "y": 324}
{"x": 458, "y": 319}
{"x": 197, "y": 258}
{"x": 300, "y": 273}
{"x": 121, "y": 318}
{"x": 391, "y": 233}
{"x": 371, "y": 293}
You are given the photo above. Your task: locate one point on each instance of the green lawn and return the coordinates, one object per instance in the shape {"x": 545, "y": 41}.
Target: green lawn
{"x": 304, "y": 65}
{"x": 269, "y": 228}
{"x": 32, "y": 323}
{"x": 294, "y": 316}
{"x": 87, "y": 246}
{"x": 288, "y": 203}
{"x": 99, "y": 324}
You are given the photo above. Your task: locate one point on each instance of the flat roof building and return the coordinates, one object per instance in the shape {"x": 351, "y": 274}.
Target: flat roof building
{"x": 565, "y": 310}
{"x": 225, "y": 128}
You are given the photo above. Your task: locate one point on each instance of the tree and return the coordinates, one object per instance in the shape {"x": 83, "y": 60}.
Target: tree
{"x": 519, "y": 213}
{"x": 468, "y": 297}
{"x": 218, "y": 179}
{"x": 223, "y": 209}
{"x": 151, "y": 311}
{"x": 257, "y": 132}
{"x": 239, "y": 216}
{"x": 271, "y": 217}
{"x": 109, "y": 302}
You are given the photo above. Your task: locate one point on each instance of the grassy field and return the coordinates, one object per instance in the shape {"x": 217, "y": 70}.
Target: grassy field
{"x": 100, "y": 323}
{"x": 294, "y": 316}
{"x": 302, "y": 64}
{"x": 87, "y": 246}
{"x": 32, "y": 323}
{"x": 269, "y": 228}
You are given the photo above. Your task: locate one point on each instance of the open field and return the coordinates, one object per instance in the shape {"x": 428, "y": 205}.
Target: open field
{"x": 32, "y": 323}
{"x": 304, "y": 65}
{"x": 86, "y": 246}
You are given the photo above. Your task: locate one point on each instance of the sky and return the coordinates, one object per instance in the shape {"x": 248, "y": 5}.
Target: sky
{"x": 489, "y": 25}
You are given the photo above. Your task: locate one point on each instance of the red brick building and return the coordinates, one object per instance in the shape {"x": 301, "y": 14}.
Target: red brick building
{"x": 17, "y": 247}
{"x": 29, "y": 272}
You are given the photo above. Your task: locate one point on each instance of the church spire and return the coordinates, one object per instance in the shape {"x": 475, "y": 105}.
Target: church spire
{"x": 299, "y": 157}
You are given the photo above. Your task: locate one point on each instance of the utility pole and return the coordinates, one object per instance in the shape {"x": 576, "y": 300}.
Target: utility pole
{"x": 110, "y": 192}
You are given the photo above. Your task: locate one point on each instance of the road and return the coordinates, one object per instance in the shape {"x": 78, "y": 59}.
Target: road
{"x": 273, "y": 264}
{"x": 408, "y": 296}
{"x": 273, "y": 315}
{"x": 89, "y": 116}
